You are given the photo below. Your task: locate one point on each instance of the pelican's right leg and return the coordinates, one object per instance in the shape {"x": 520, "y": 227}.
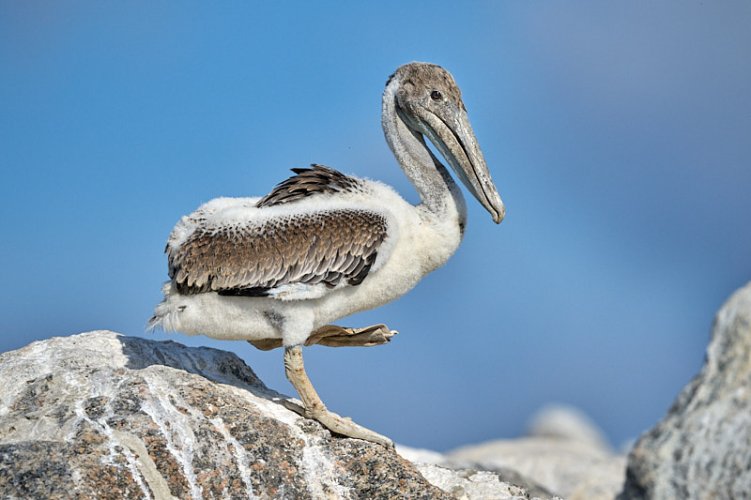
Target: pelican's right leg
{"x": 337, "y": 336}
{"x": 314, "y": 407}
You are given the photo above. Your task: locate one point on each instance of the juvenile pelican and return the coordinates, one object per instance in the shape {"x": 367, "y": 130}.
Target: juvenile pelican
{"x": 276, "y": 270}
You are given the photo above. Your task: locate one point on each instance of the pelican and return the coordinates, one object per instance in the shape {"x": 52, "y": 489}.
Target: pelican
{"x": 277, "y": 270}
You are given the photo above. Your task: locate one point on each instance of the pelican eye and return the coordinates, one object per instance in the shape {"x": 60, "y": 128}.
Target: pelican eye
{"x": 436, "y": 95}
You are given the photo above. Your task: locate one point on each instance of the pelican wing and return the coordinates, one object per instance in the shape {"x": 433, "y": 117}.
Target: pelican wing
{"x": 322, "y": 248}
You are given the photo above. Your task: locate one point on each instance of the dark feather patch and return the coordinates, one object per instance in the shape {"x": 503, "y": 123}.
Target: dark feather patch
{"x": 245, "y": 292}
{"x": 308, "y": 181}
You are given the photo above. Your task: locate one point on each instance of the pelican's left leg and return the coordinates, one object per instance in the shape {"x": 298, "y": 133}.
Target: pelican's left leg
{"x": 314, "y": 407}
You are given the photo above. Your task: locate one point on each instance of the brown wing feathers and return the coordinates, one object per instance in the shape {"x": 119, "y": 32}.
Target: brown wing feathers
{"x": 322, "y": 247}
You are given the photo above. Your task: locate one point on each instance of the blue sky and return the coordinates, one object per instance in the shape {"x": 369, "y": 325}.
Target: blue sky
{"x": 617, "y": 133}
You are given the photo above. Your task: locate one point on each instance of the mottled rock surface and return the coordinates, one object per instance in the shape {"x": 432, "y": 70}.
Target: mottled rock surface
{"x": 702, "y": 448}
{"x": 99, "y": 415}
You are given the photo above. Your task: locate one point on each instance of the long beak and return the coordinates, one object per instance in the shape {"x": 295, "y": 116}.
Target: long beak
{"x": 454, "y": 138}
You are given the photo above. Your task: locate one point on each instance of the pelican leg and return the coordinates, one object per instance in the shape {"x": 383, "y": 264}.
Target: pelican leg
{"x": 314, "y": 407}
{"x": 339, "y": 336}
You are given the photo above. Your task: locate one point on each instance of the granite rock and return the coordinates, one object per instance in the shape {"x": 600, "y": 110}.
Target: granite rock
{"x": 99, "y": 415}
{"x": 702, "y": 448}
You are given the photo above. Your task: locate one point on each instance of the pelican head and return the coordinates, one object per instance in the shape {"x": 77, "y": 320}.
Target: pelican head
{"x": 429, "y": 102}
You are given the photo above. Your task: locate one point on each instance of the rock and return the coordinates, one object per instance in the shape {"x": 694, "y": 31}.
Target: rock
{"x": 702, "y": 448}
{"x": 569, "y": 423}
{"x": 468, "y": 484}
{"x": 569, "y": 469}
{"x": 565, "y": 455}
{"x": 455, "y": 476}
{"x": 102, "y": 415}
